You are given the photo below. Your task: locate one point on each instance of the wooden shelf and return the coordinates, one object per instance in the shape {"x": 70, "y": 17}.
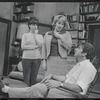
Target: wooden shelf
{"x": 89, "y": 13}
{"x": 21, "y": 12}
{"x": 21, "y": 21}
{"x": 18, "y": 40}
{"x": 74, "y": 38}
{"x": 73, "y": 21}
{"x": 75, "y": 30}
{"x": 27, "y": 4}
{"x": 15, "y": 45}
{"x": 89, "y": 4}
{"x": 82, "y": 39}
{"x": 90, "y": 22}
{"x": 26, "y": 12}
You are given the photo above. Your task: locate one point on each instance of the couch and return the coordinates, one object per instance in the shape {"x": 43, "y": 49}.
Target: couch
{"x": 17, "y": 73}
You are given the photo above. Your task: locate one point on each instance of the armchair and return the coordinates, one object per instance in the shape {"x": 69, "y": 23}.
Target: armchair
{"x": 94, "y": 89}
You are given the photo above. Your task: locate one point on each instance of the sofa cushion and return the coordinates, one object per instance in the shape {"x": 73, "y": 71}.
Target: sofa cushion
{"x": 16, "y": 75}
{"x": 19, "y": 66}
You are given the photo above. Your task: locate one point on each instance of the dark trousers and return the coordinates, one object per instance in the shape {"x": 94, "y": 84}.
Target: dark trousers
{"x": 30, "y": 70}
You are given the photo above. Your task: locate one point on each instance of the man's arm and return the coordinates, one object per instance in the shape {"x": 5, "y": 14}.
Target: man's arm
{"x": 58, "y": 78}
{"x": 54, "y": 77}
{"x": 73, "y": 87}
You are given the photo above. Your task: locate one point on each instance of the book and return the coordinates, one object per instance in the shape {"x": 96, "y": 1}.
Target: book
{"x": 96, "y": 6}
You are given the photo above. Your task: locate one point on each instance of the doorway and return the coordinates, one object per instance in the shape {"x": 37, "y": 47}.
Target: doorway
{"x": 94, "y": 38}
{"x": 5, "y": 28}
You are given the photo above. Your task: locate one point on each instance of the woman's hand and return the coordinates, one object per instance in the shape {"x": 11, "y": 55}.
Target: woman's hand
{"x": 52, "y": 84}
{"x": 47, "y": 78}
{"x": 44, "y": 65}
{"x": 36, "y": 32}
{"x": 56, "y": 34}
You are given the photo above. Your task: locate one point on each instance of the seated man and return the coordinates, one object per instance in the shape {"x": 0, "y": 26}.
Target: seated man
{"x": 78, "y": 79}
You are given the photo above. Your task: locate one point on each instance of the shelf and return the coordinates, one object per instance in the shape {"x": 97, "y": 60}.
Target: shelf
{"x": 27, "y": 4}
{"x": 82, "y": 39}
{"x": 79, "y": 38}
{"x": 73, "y": 21}
{"x": 90, "y": 22}
{"x": 89, "y": 4}
{"x": 18, "y": 40}
{"x": 20, "y": 21}
{"x": 15, "y": 45}
{"x": 74, "y": 38}
{"x": 75, "y": 30}
{"x": 89, "y": 13}
{"x": 26, "y": 12}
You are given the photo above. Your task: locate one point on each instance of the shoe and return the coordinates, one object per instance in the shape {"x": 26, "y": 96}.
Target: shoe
{"x": 1, "y": 85}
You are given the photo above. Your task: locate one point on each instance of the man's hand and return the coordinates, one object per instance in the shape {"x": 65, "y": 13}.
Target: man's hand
{"x": 46, "y": 78}
{"x": 52, "y": 84}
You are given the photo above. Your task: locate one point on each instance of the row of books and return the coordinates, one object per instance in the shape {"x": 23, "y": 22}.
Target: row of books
{"x": 90, "y": 8}
{"x": 94, "y": 17}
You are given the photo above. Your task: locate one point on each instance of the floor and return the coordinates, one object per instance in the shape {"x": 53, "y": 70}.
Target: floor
{"x": 14, "y": 83}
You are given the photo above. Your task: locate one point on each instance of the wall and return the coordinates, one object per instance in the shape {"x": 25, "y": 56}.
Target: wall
{"x": 44, "y": 11}
{"x": 67, "y": 7}
{"x": 6, "y": 10}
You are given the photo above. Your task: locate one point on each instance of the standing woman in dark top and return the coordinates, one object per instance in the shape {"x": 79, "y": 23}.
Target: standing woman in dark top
{"x": 56, "y": 45}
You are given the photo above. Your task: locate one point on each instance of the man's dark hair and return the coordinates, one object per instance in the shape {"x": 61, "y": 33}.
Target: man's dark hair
{"x": 33, "y": 20}
{"x": 89, "y": 49}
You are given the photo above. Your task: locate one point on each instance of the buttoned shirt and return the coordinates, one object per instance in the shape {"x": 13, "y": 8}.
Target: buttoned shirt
{"x": 82, "y": 74}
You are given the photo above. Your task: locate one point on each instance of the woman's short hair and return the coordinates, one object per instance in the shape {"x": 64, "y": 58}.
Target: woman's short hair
{"x": 33, "y": 20}
{"x": 89, "y": 49}
{"x": 57, "y": 17}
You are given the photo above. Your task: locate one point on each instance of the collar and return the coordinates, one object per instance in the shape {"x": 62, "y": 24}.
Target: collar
{"x": 84, "y": 61}
{"x": 61, "y": 32}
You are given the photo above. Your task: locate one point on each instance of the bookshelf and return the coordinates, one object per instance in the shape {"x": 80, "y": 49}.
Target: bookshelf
{"x": 76, "y": 29}
{"x": 21, "y": 11}
{"x": 89, "y": 13}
